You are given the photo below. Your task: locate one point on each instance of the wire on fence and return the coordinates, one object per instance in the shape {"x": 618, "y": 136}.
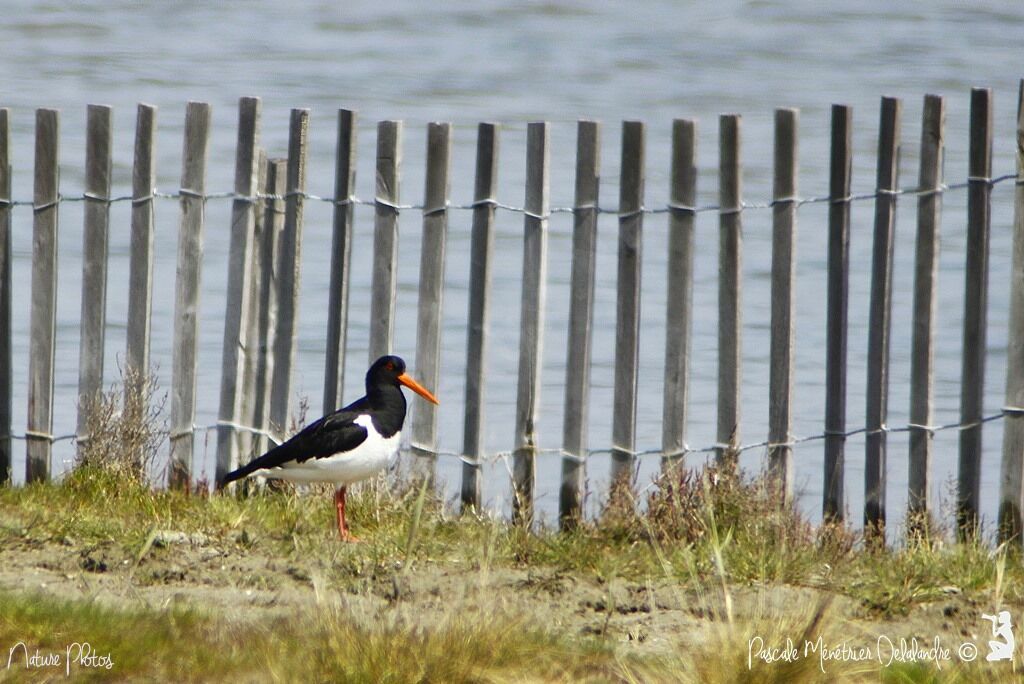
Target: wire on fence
{"x": 763, "y": 444}
{"x": 378, "y": 201}
{"x": 714, "y": 448}
{"x": 478, "y": 462}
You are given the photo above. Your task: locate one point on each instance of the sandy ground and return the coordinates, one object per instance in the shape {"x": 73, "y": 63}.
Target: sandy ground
{"x": 239, "y": 583}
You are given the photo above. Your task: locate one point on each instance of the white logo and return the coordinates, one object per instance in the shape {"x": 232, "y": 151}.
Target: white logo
{"x": 1002, "y": 628}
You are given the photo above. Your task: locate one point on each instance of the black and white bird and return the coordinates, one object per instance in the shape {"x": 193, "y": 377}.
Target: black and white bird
{"x": 351, "y": 444}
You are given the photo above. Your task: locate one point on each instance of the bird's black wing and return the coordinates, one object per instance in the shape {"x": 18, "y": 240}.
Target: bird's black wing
{"x": 336, "y": 432}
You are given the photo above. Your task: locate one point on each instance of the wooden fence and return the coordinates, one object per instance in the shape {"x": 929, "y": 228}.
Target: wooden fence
{"x": 259, "y": 343}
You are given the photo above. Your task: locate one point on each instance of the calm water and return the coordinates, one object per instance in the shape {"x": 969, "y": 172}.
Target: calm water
{"x": 516, "y": 62}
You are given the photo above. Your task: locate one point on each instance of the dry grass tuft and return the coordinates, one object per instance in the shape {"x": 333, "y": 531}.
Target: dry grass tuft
{"x": 125, "y": 427}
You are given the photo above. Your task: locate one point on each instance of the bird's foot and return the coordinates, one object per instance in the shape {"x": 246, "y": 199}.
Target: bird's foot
{"x": 350, "y": 538}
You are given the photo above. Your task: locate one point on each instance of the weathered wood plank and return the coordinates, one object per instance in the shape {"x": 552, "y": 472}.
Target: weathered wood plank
{"x": 341, "y": 258}
{"x": 234, "y": 352}
{"x": 275, "y": 180}
{"x": 186, "y": 304}
{"x": 581, "y": 317}
{"x": 385, "y": 238}
{"x": 431, "y": 297}
{"x": 627, "y": 309}
{"x": 481, "y": 251}
{"x": 289, "y": 257}
{"x": 926, "y": 265}
{"x": 783, "y": 305}
{"x": 1011, "y": 489}
{"x": 140, "y": 266}
{"x": 679, "y": 297}
{"x": 43, "y": 315}
{"x": 96, "y": 230}
{"x": 841, "y": 165}
{"x": 535, "y": 239}
{"x": 730, "y": 279}
{"x": 6, "y": 378}
{"x": 880, "y": 316}
{"x": 254, "y": 402}
{"x": 972, "y": 379}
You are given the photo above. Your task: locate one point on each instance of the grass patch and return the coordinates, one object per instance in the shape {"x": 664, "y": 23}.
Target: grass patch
{"x": 715, "y": 551}
{"x": 336, "y": 644}
{"x": 705, "y": 527}
{"x": 326, "y": 645}
{"x": 166, "y": 645}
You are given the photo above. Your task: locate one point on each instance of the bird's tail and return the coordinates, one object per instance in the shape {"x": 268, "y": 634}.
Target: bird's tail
{"x": 241, "y": 473}
{"x": 271, "y": 459}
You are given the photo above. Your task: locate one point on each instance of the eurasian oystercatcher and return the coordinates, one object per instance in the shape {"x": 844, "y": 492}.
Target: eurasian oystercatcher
{"x": 348, "y": 445}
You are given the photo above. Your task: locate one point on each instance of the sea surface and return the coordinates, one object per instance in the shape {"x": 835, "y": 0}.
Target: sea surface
{"x": 513, "y": 63}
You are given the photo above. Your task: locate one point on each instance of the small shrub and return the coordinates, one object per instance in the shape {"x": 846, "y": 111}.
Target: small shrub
{"x": 124, "y": 428}
{"x": 684, "y": 503}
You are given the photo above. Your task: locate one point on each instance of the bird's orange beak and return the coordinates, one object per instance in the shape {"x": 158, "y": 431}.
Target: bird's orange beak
{"x": 417, "y": 388}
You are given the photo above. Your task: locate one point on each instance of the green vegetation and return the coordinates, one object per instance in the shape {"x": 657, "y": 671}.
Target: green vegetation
{"x": 685, "y": 585}
{"x": 706, "y": 529}
{"x": 706, "y": 538}
{"x": 181, "y": 645}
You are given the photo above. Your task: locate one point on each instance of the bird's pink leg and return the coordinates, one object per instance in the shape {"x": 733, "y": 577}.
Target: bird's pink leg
{"x": 339, "y": 503}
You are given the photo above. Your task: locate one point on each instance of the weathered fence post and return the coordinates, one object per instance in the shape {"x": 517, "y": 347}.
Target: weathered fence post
{"x": 186, "y": 305}
{"x": 627, "y": 309}
{"x": 679, "y": 297}
{"x": 234, "y": 351}
{"x": 140, "y": 266}
{"x": 972, "y": 378}
{"x": 274, "y": 183}
{"x": 880, "y": 317}
{"x": 431, "y": 299}
{"x": 289, "y": 256}
{"x": 6, "y": 458}
{"x": 838, "y": 300}
{"x": 43, "y": 316}
{"x": 98, "y": 149}
{"x": 341, "y": 258}
{"x": 385, "y": 238}
{"x": 1011, "y": 490}
{"x": 252, "y": 409}
{"x": 780, "y": 381}
{"x": 581, "y": 316}
{"x": 481, "y": 250}
{"x": 730, "y": 279}
{"x": 535, "y": 240}
{"x": 926, "y": 265}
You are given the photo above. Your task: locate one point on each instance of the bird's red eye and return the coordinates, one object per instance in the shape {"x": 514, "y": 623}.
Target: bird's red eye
{"x": 390, "y": 366}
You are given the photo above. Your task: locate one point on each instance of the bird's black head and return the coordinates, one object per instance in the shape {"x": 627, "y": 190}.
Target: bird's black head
{"x": 385, "y": 370}
{"x": 389, "y": 371}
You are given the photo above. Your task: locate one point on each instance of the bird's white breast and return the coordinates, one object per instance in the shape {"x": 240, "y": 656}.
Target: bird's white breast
{"x": 345, "y": 467}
